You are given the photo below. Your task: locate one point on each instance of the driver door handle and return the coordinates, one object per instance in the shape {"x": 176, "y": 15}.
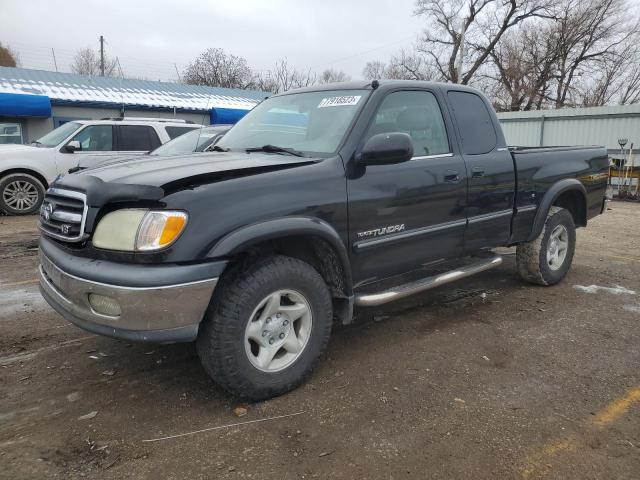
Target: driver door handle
{"x": 452, "y": 176}
{"x": 477, "y": 172}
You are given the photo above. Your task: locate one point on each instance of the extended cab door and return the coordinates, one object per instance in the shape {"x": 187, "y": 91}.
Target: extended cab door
{"x": 490, "y": 168}
{"x": 405, "y": 215}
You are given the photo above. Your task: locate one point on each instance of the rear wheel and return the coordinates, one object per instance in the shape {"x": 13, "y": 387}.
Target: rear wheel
{"x": 547, "y": 259}
{"x": 266, "y": 328}
{"x": 20, "y": 194}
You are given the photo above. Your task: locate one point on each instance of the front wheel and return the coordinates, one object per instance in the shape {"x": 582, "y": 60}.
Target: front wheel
{"x": 20, "y": 194}
{"x": 547, "y": 259}
{"x": 266, "y": 328}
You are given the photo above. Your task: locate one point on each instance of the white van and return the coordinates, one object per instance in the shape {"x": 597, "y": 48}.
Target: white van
{"x": 27, "y": 170}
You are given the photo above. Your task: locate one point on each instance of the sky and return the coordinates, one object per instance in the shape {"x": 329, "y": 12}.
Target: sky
{"x": 150, "y": 36}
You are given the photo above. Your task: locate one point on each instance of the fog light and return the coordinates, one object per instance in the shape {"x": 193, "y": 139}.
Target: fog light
{"x": 104, "y": 305}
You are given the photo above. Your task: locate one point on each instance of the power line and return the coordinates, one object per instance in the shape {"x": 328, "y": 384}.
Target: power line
{"x": 339, "y": 60}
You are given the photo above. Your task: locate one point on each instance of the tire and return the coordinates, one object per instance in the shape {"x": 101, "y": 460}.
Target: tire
{"x": 232, "y": 340}
{"x": 20, "y": 194}
{"x": 536, "y": 260}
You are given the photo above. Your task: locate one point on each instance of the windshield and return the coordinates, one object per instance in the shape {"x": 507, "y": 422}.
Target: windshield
{"x": 194, "y": 141}
{"x": 54, "y": 137}
{"x": 312, "y": 122}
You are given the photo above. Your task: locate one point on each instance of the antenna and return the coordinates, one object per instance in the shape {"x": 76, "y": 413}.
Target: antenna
{"x": 54, "y": 59}
{"x": 121, "y": 78}
{"x": 202, "y": 122}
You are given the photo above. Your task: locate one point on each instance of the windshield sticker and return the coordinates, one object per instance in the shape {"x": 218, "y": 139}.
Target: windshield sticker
{"x": 340, "y": 101}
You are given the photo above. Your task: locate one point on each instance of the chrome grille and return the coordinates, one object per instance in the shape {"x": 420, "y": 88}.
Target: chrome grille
{"x": 63, "y": 214}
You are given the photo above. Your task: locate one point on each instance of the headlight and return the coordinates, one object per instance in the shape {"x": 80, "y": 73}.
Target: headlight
{"x": 135, "y": 230}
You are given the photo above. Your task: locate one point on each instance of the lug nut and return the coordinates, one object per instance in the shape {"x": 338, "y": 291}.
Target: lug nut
{"x": 285, "y": 323}
{"x": 281, "y": 336}
{"x": 271, "y": 340}
{"x": 265, "y": 333}
{"x": 278, "y": 315}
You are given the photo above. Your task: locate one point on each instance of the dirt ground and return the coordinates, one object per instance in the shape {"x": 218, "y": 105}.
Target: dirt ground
{"x": 488, "y": 378}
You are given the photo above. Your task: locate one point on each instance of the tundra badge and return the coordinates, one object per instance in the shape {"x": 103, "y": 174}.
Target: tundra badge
{"x": 377, "y": 232}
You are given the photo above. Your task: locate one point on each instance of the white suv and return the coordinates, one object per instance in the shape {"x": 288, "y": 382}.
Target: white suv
{"x": 27, "y": 170}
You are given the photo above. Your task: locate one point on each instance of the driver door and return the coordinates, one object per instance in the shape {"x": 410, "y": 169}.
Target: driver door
{"x": 97, "y": 145}
{"x": 405, "y": 215}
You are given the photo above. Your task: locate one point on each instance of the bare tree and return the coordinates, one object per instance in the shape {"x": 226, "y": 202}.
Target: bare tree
{"x": 8, "y": 58}
{"x": 374, "y": 70}
{"x": 466, "y": 31}
{"x": 216, "y": 68}
{"x": 408, "y": 66}
{"x": 87, "y": 62}
{"x": 331, "y": 76}
{"x": 586, "y": 54}
{"x": 525, "y": 63}
{"x": 590, "y": 35}
{"x": 284, "y": 77}
{"x": 527, "y": 54}
{"x": 631, "y": 85}
{"x": 402, "y": 66}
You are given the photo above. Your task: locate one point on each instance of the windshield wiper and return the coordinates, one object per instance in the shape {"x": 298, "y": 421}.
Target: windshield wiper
{"x": 275, "y": 149}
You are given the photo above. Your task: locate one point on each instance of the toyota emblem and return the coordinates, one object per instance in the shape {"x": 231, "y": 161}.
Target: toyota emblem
{"x": 47, "y": 210}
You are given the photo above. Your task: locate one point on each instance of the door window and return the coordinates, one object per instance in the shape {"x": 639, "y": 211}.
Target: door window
{"x": 175, "y": 132}
{"x": 96, "y": 138}
{"x": 475, "y": 124}
{"x": 416, "y": 113}
{"x": 137, "y": 138}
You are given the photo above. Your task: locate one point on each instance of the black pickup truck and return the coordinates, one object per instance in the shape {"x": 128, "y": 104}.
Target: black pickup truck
{"x": 319, "y": 200}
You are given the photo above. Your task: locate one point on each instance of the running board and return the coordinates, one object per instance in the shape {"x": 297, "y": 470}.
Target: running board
{"x": 408, "y": 289}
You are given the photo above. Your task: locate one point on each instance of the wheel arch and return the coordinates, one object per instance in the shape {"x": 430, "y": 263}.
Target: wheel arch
{"x": 26, "y": 171}
{"x": 309, "y": 239}
{"x": 569, "y": 194}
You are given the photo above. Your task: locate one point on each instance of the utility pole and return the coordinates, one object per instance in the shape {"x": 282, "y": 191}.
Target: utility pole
{"x": 101, "y": 56}
{"x": 54, "y": 59}
{"x": 460, "y": 52}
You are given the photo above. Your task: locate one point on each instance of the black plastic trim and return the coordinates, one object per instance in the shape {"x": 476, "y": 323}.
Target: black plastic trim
{"x": 130, "y": 275}
{"x": 364, "y": 244}
{"x": 256, "y": 233}
{"x": 549, "y": 198}
{"x": 100, "y": 193}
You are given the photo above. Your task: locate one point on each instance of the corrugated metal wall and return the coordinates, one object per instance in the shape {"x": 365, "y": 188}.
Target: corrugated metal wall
{"x": 577, "y": 126}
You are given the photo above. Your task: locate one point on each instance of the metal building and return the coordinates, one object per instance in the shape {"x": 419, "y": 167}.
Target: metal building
{"x": 574, "y": 126}
{"x": 34, "y": 102}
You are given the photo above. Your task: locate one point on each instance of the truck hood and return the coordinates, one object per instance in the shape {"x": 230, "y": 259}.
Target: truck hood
{"x": 171, "y": 173}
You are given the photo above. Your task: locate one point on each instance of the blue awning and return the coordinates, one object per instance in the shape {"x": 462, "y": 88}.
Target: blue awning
{"x": 24, "y": 105}
{"x": 226, "y": 115}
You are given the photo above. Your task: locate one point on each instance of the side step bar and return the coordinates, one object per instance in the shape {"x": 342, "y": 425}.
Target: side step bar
{"x": 408, "y": 289}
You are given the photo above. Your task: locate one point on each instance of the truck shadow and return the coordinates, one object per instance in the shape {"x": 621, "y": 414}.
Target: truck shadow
{"x": 439, "y": 309}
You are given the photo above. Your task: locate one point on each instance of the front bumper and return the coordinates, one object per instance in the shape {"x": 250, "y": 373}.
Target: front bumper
{"x": 157, "y": 313}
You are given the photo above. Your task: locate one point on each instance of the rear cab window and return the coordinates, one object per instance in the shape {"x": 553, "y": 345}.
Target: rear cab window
{"x": 474, "y": 122}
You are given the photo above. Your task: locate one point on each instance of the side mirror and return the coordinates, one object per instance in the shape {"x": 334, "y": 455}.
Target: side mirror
{"x": 386, "y": 149}
{"x": 73, "y": 146}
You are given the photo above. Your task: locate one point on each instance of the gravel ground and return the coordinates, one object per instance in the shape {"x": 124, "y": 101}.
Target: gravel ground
{"x": 488, "y": 378}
